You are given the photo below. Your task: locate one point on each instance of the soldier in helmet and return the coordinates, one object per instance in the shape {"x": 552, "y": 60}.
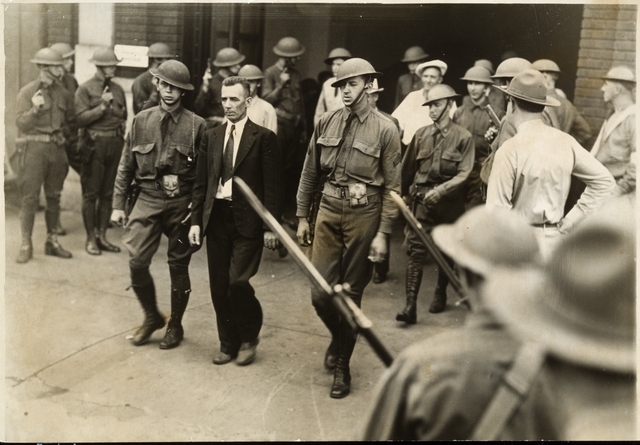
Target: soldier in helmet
{"x": 260, "y": 112}
{"x": 616, "y": 143}
{"x": 410, "y": 81}
{"x": 282, "y": 89}
{"x": 145, "y": 92}
{"x": 435, "y": 168}
{"x": 496, "y": 97}
{"x": 357, "y": 149}
{"x": 160, "y": 156}
{"x": 44, "y": 118}
{"x": 208, "y": 103}
{"x": 330, "y": 98}
{"x": 101, "y": 116}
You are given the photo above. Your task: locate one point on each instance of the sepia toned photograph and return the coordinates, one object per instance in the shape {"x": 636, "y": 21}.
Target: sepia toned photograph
{"x": 297, "y": 221}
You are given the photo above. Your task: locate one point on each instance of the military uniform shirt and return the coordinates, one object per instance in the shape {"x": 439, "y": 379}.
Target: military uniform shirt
{"x": 88, "y": 111}
{"x": 209, "y": 104}
{"x": 56, "y": 115}
{"x": 287, "y": 98}
{"x": 474, "y": 118}
{"x": 142, "y": 89}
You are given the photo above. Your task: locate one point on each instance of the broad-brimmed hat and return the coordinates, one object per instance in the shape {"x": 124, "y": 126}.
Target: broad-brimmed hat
{"x": 621, "y": 73}
{"x": 484, "y": 238}
{"x": 432, "y": 63}
{"x": 375, "y": 88}
{"x": 546, "y": 66}
{"x": 582, "y": 304}
{"x": 354, "y": 67}
{"x": 485, "y": 63}
{"x": 530, "y": 86}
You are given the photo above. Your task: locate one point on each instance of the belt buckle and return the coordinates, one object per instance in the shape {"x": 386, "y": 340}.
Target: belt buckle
{"x": 343, "y": 194}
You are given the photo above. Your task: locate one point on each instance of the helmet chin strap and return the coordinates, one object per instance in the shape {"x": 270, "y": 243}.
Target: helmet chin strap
{"x": 360, "y": 96}
{"x": 442, "y": 113}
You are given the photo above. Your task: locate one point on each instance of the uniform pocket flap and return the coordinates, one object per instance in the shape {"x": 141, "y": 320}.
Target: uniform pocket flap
{"x": 143, "y": 148}
{"x": 371, "y": 150}
{"x": 328, "y": 141}
{"x": 453, "y": 156}
{"x": 184, "y": 149}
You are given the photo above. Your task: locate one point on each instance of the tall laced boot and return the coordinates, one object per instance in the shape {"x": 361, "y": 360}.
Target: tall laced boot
{"x": 332, "y": 322}
{"x": 26, "y": 229}
{"x": 439, "y": 302}
{"x": 52, "y": 246}
{"x": 342, "y": 376}
{"x": 153, "y": 319}
{"x": 104, "y": 214}
{"x": 89, "y": 218}
{"x": 175, "y": 332}
{"x": 414, "y": 278}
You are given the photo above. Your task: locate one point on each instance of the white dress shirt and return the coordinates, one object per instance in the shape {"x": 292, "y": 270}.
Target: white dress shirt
{"x": 224, "y": 191}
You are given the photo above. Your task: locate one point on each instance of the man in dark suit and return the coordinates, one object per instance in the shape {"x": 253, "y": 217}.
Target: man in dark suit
{"x": 235, "y": 233}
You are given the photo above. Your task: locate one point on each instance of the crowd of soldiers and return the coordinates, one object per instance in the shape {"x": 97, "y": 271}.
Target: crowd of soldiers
{"x": 489, "y": 177}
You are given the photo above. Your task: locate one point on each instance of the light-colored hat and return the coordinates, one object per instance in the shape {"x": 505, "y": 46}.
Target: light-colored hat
{"x": 440, "y": 91}
{"x": 530, "y": 85}
{"x": 621, "y": 73}
{"x": 485, "y": 63}
{"x": 478, "y": 74}
{"x": 251, "y": 72}
{"x": 375, "y": 88}
{"x": 546, "y": 65}
{"x": 582, "y": 304}
{"x": 484, "y": 238}
{"x": 432, "y": 63}
{"x": 510, "y": 67}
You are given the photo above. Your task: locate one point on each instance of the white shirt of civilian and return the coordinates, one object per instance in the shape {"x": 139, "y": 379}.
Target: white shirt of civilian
{"x": 330, "y": 100}
{"x": 224, "y": 191}
{"x": 412, "y": 115}
{"x": 532, "y": 175}
{"x": 262, "y": 113}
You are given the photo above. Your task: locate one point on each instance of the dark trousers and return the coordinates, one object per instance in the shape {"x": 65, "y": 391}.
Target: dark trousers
{"x": 341, "y": 243}
{"x": 233, "y": 259}
{"x": 98, "y": 173}
{"x": 152, "y": 216}
{"x": 293, "y": 153}
{"x": 41, "y": 163}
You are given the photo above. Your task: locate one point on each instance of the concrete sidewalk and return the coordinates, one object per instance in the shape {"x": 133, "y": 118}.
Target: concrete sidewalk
{"x": 73, "y": 376}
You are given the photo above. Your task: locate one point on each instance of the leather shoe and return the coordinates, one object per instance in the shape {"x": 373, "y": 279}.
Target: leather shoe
{"x": 439, "y": 302}
{"x": 220, "y": 358}
{"x": 25, "y": 254}
{"x": 331, "y": 356}
{"x": 92, "y": 248}
{"x": 379, "y": 278}
{"x": 172, "y": 337}
{"x": 247, "y": 353}
{"x": 54, "y": 248}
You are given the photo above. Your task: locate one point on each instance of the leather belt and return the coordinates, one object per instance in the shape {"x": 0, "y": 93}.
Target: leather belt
{"x": 343, "y": 192}
{"x": 547, "y": 225}
{"x": 156, "y": 185}
{"x": 104, "y": 133}
{"x": 35, "y": 138}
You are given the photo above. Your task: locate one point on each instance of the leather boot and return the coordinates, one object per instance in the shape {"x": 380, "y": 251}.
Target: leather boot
{"x": 414, "y": 279}
{"x": 101, "y": 234}
{"x": 332, "y": 322}
{"x": 89, "y": 218}
{"x": 342, "y": 376}
{"x": 331, "y": 356}
{"x": 52, "y": 246}
{"x": 26, "y": 229}
{"x": 439, "y": 302}
{"x": 175, "y": 332}
{"x": 153, "y": 320}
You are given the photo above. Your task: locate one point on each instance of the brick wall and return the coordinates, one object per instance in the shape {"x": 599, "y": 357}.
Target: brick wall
{"x": 608, "y": 38}
{"x": 143, "y": 24}
{"x": 62, "y": 23}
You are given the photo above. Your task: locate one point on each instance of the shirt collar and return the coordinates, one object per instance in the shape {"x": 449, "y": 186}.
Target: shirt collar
{"x": 444, "y": 131}
{"x": 483, "y": 103}
{"x": 175, "y": 114}
{"x": 362, "y": 113}
{"x": 239, "y": 125}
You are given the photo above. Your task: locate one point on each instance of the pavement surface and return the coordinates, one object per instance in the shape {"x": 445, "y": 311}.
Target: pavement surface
{"x": 72, "y": 375}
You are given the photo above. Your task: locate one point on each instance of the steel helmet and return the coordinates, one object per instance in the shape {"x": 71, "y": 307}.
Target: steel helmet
{"x": 546, "y": 65}
{"x": 414, "y": 54}
{"x": 486, "y": 63}
{"x": 621, "y": 73}
{"x": 354, "y": 67}
{"x": 440, "y": 91}
{"x": 64, "y": 49}
{"x": 104, "y": 57}
{"x": 160, "y": 50}
{"x": 174, "y": 73}
{"x": 228, "y": 57}
{"x": 478, "y": 74}
{"x": 288, "y": 47}
{"x": 47, "y": 56}
{"x": 510, "y": 67}
{"x": 531, "y": 86}
{"x": 337, "y": 53}
{"x": 375, "y": 88}
{"x": 251, "y": 72}
{"x": 432, "y": 63}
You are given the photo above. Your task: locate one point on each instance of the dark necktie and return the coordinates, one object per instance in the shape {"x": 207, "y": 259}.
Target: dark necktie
{"x": 164, "y": 125}
{"x": 227, "y": 160}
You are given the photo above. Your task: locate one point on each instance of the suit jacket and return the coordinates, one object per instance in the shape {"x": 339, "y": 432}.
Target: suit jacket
{"x": 258, "y": 163}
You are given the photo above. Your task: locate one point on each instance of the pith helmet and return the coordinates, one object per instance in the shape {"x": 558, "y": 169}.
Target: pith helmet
{"x": 104, "y": 57}
{"x": 288, "y": 47}
{"x": 510, "y": 67}
{"x": 485, "y": 238}
{"x": 354, "y": 67}
{"x": 621, "y": 73}
{"x": 486, "y": 63}
{"x": 375, "y": 88}
{"x": 440, "y": 91}
{"x": 47, "y": 56}
{"x": 581, "y": 305}
{"x": 174, "y": 73}
{"x": 160, "y": 50}
{"x": 414, "y": 54}
{"x": 251, "y": 72}
{"x": 228, "y": 57}
{"x": 432, "y": 63}
{"x": 337, "y": 53}
{"x": 546, "y": 65}
{"x": 64, "y": 49}
{"x": 478, "y": 74}
{"x": 530, "y": 86}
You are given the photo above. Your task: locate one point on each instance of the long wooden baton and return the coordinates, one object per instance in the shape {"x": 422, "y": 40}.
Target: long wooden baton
{"x": 430, "y": 245}
{"x": 343, "y": 303}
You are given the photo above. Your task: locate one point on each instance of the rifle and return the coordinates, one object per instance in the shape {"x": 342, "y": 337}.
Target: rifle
{"x": 492, "y": 115}
{"x": 342, "y": 302}
{"x": 132, "y": 193}
{"x": 431, "y": 246}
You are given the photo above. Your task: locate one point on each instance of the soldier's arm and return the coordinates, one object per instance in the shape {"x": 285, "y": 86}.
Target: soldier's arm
{"x": 200, "y": 106}
{"x": 502, "y": 180}
{"x": 627, "y": 183}
{"x": 391, "y": 168}
{"x": 309, "y": 178}
{"x": 467, "y": 150}
{"x": 321, "y": 108}
{"x": 85, "y": 114}
{"x": 199, "y": 192}
{"x": 409, "y": 166}
{"x": 126, "y": 172}
{"x": 271, "y": 90}
{"x": 272, "y": 175}
{"x": 27, "y": 115}
{"x": 580, "y": 129}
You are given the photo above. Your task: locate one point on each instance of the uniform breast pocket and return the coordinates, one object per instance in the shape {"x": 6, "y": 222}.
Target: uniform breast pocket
{"x": 449, "y": 163}
{"x": 183, "y": 159}
{"x": 328, "y": 151}
{"x": 364, "y": 160}
{"x": 145, "y": 158}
